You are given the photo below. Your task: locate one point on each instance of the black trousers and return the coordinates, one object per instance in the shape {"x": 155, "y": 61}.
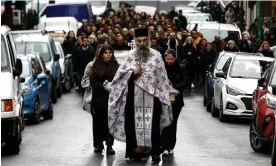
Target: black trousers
{"x": 100, "y": 128}
{"x": 131, "y": 142}
{"x": 168, "y": 135}
{"x": 191, "y": 74}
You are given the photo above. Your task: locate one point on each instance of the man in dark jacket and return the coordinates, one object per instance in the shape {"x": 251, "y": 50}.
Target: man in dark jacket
{"x": 174, "y": 43}
{"x": 120, "y": 43}
{"x": 255, "y": 43}
{"x": 182, "y": 20}
{"x": 155, "y": 46}
{"x": 217, "y": 44}
{"x": 82, "y": 28}
{"x": 108, "y": 9}
{"x": 172, "y": 13}
{"x": 84, "y": 54}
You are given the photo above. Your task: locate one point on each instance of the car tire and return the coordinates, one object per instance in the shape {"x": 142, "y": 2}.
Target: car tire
{"x": 273, "y": 153}
{"x": 54, "y": 94}
{"x": 222, "y": 116}
{"x": 214, "y": 110}
{"x": 22, "y": 119}
{"x": 68, "y": 86}
{"x": 49, "y": 113}
{"x": 35, "y": 118}
{"x": 13, "y": 142}
{"x": 257, "y": 144}
{"x": 209, "y": 106}
{"x": 59, "y": 91}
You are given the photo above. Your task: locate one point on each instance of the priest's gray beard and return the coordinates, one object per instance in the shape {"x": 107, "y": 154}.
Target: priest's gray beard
{"x": 142, "y": 52}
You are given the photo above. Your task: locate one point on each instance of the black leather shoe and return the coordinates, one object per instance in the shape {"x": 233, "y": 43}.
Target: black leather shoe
{"x": 156, "y": 159}
{"x": 98, "y": 150}
{"x": 110, "y": 151}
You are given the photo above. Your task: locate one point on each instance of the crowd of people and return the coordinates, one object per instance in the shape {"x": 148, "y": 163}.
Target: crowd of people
{"x": 166, "y": 60}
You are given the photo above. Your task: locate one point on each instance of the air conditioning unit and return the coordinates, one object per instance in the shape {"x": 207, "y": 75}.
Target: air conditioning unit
{"x": 16, "y": 17}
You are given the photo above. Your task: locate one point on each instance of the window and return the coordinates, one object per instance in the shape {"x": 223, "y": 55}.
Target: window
{"x": 60, "y": 51}
{"x": 273, "y": 80}
{"x": 221, "y": 62}
{"x": 26, "y": 72}
{"x": 5, "y": 65}
{"x": 37, "y": 66}
{"x": 43, "y": 64}
{"x": 209, "y": 34}
{"x": 247, "y": 68}
{"x": 12, "y": 56}
{"x": 42, "y": 48}
{"x": 226, "y": 66}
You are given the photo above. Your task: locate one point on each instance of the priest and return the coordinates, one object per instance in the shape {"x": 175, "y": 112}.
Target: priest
{"x": 139, "y": 101}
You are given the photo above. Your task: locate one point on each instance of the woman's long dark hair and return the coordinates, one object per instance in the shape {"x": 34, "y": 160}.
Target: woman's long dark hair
{"x": 100, "y": 67}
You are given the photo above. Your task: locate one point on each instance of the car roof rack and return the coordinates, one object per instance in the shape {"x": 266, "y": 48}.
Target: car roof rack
{"x": 43, "y": 32}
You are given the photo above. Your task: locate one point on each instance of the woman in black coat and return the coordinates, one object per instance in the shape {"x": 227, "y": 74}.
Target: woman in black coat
{"x": 104, "y": 68}
{"x": 69, "y": 43}
{"x": 190, "y": 56}
{"x": 180, "y": 80}
{"x": 207, "y": 57}
{"x": 265, "y": 50}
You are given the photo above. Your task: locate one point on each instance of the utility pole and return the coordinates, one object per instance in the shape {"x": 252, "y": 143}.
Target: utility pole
{"x": 259, "y": 19}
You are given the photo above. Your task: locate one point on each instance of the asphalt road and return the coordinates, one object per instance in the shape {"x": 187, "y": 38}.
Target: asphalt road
{"x": 202, "y": 140}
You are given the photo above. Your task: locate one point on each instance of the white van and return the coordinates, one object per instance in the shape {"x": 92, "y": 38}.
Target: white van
{"x": 58, "y": 23}
{"x": 12, "y": 116}
{"x": 210, "y": 29}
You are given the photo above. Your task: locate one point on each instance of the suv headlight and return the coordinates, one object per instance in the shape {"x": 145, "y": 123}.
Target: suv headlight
{"x": 26, "y": 89}
{"x": 234, "y": 91}
{"x": 270, "y": 101}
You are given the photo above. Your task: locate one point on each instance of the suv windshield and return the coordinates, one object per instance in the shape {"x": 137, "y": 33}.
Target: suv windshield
{"x": 34, "y": 47}
{"x": 209, "y": 34}
{"x": 248, "y": 68}
{"x": 4, "y": 56}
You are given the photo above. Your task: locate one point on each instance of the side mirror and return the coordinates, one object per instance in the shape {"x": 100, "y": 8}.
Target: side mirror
{"x": 48, "y": 72}
{"x": 17, "y": 71}
{"x": 68, "y": 56}
{"x": 220, "y": 74}
{"x": 261, "y": 82}
{"x": 56, "y": 57}
{"x": 22, "y": 80}
{"x": 41, "y": 77}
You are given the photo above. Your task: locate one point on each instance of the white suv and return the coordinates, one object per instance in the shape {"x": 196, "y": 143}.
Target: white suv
{"x": 12, "y": 116}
